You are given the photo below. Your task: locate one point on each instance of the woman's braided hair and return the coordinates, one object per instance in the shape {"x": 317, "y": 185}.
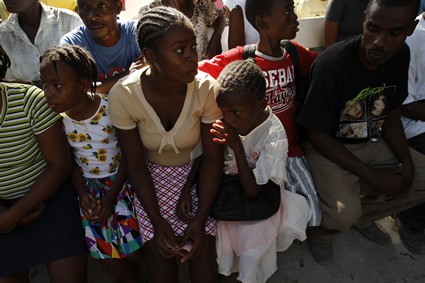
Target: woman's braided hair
{"x": 77, "y": 58}
{"x": 154, "y": 22}
{"x": 5, "y": 63}
{"x": 242, "y": 77}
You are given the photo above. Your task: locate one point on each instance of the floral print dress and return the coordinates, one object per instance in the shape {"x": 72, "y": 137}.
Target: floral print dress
{"x": 96, "y": 152}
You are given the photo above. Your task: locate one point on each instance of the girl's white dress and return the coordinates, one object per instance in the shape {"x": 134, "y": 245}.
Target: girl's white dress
{"x": 250, "y": 247}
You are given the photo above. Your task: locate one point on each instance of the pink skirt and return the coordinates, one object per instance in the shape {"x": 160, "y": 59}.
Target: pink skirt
{"x": 168, "y": 182}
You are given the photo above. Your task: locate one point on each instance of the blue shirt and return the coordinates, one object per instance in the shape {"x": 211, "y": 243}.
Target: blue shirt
{"x": 110, "y": 61}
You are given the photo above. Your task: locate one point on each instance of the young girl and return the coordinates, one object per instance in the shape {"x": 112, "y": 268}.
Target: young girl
{"x": 256, "y": 150}
{"x": 163, "y": 112}
{"x": 112, "y": 234}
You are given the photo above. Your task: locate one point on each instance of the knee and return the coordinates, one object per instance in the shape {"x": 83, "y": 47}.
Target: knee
{"x": 341, "y": 220}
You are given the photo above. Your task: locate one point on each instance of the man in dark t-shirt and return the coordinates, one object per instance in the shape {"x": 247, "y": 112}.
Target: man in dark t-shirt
{"x": 358, "y": 154}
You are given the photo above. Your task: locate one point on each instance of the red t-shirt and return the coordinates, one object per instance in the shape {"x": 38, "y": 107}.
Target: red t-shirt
{"x": 280, "y": 84}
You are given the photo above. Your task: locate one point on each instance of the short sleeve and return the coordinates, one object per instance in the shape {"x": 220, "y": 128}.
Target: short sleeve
{"x": 271, "y": 162}
{"x": 211, "y": 111}
{"x": 41, "y": 116}
{"x": 118, "y": 108}
{"x": 209, "y": 11}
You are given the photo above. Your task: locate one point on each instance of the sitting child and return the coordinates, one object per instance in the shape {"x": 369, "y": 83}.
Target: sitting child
{"x": 256, "y": 149}
{"x": 111, "y": 230}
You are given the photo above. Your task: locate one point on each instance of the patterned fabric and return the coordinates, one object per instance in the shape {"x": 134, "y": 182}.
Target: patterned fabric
{"x": 128, "y": 109}
{"x": 117, "y": 236}
{"x": 300, "y": 181}
{"x": 93, "y": 142}
{"x": 24, "y": 115}
{"x": 168, "y": 183}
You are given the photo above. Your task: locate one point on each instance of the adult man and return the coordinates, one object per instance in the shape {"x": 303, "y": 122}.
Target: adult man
{"x": 413, "y": 110}
{"x": 111, "y": 41}
{"x": 30, "y": 30}
{"x": 359, "y": 158}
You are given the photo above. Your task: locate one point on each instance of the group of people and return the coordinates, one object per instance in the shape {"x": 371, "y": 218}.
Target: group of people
{"x": 121, "y": 153}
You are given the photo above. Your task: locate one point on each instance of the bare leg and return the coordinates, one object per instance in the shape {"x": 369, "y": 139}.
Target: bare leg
{"x": 19, "y": 277}
{"x": 68, "y": 270}
{"x": 203, "y": 269}
{"x": 159, "y": 269}
{"x": 126, "y": 269}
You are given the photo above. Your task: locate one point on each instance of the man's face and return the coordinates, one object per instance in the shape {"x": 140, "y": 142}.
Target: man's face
{"x": 384, "y": 32}
{"x": 99, "y": 16}
{"x": 17, "y": 6}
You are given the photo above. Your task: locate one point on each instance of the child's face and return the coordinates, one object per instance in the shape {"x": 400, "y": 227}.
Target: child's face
{"x": 240, "y": 111}
{"x": 62, "y": 87}
{"x": 173, "y": 56}
{"x": 99, "y": 16}
{"x": 282, "y": 22}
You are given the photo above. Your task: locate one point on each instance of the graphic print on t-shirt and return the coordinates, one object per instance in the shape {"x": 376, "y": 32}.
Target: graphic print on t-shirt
{"x": 363, "y": 116}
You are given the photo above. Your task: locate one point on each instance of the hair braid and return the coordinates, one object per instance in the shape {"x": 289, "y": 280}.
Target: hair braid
{"x": 154, "y": 22}
{"x": 77, "y": 58}
{"x": 242, "y": 77}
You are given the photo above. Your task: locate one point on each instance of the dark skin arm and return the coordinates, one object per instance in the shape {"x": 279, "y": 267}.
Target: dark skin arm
{"x": 414, "y": 110}
{"x": 88, "y": 203}
{"x": 184, "y": 205}
{"x": 330, "y": 32}
{"x": 209, "y": 182}
{"x": 142, "y": 185}
{"x": 393, "y": 133}
{"x": 214, "y": 46}
{"x": 226, "y": 135}
{"x": 108, "y": 200}
{"x": 389, "y": 181}
{"x": 236, "y": 28}
{"x": 55, "y": 149}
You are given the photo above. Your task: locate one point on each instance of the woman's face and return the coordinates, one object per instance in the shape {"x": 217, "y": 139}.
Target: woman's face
{"x": 173, "y": 56}
{"x": 378, "y": 105}
{"x": 355, "y": 110}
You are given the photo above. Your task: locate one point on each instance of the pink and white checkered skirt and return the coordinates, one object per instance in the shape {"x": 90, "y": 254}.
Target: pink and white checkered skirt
{"x": 168, "y": 182}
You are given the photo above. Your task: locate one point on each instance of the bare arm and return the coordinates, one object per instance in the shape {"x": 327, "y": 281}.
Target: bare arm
{"x": 142, "y": 184}
{"x": 236, "y": 28}
{"x": 54, "y": 147}
{"x": 330, "y": 33}
{"x": 209, "y": 182}
{"x": 394, "y": 135}
{"x": 214, "y": 46}
{"x": 225, "y": 134}
{"x": 414, "y": 110}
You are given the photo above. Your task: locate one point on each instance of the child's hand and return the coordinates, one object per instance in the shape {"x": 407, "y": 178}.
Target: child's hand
{"x": 225, "y": 134}
{"x": 106, "y": 207}
{"x": 89, "y": 206}
{"x": 32, "y": 216}
{"x": 184, "y": 205}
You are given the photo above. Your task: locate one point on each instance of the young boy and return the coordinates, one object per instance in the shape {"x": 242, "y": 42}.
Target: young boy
{"x": 111, "y": 41}
{"x": 266, "y": 17}
{"x": 363, "y": 177}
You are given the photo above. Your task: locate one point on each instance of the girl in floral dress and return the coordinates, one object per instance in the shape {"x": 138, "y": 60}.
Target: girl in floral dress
{"x": 111, "y": 229}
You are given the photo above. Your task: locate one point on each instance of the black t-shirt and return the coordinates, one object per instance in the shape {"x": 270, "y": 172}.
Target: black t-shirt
{"x": 348, "y": 101}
